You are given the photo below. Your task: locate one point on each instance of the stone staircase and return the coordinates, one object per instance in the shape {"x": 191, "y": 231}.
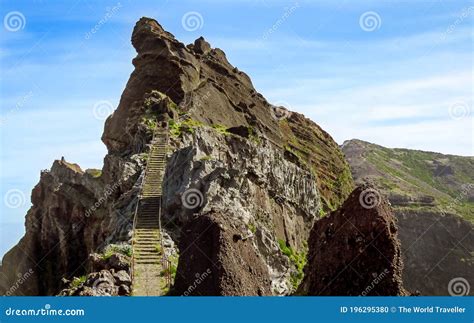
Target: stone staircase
{"x": 148, "y": 261}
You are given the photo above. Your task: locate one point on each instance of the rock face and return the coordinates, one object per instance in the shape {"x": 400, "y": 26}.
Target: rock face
{"x": 224, "y": 260}
{"x": 432, "y": 198}
{"x": 71, "y": 217}
{"x": 103, "y": 283}
{"x": 255, "y": 169}
{"x": 355, "y": 250}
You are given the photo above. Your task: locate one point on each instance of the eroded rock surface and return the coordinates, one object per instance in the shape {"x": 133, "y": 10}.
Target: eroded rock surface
{"x": 223, "y": 257}
{"x": 271, "y": 172}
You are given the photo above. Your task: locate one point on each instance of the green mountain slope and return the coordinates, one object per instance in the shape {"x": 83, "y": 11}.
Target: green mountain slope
{"x": 416, "y": 180}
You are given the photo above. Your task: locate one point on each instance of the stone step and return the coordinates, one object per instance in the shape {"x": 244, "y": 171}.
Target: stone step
{"x": 147, "y": 253}
{"x": 151, "y": 246}
{"x": 144, "y": 250}
{"x": 153, "y": 221}
{"x": 151, "y": 241}
{"x": 155, "y": 258}
{"x": 148, "y": 262}
{"x": 146, "y": 236}
{"x": 148, "y": 232}
{"x": 146, "y": 240}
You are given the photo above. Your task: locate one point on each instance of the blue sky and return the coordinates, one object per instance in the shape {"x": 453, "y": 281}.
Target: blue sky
{"x": 396, "y": 73}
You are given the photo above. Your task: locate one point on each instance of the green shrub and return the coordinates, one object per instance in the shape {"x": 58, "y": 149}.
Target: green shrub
{"x": 221, "y": 129}
{"x": 78, "y": 281}
{"x": 206, "y": 158}
{"x": 111, "y": 249}
{"x": 96, "y": 173}
{"x": 298, "y": 259}
{"x": 252, "y": 227}
{"x": 189, "y": 126}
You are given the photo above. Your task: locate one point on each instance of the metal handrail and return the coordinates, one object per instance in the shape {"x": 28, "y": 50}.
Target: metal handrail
{"x": 166, "y": 263}
{"x": 138, "y": 202}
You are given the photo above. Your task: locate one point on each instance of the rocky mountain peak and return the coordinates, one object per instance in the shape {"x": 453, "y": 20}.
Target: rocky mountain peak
{"x": 262, "y": 175}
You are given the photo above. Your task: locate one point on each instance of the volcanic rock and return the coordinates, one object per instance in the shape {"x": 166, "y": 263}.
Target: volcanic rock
{"x": 219, "y": 260}
{"x": 269, "y": 174}
{"x": 355, "y": 250}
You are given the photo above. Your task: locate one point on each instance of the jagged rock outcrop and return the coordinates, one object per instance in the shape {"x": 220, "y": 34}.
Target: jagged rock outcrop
{"x": 432, "y": 197}
{"x": 224, "y": 262}
{"x": 271, "y": 172}
{"x": 102, "y": 283}
{"x": 355, "y": 250}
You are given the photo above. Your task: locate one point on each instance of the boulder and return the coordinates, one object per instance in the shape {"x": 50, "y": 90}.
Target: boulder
{"x": 216, "y": 260}
{"x": 355, "y": 250}
{"x": 201, "y": 46}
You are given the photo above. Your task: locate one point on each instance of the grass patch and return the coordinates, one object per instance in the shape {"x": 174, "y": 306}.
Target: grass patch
{"x": 206, "y": 158}
{"x": 149, "y": 122}
{"x": 221, "y": 129}
{"x": 96, "y": 173}
{"x": 158, "y": 248}
{"x": 298, "y": 259}
{"x": 252, "y": 227}
{"x": 188, "y": 126}
{"x": 78, "y": 281}
{"x": 112, "y": 249}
